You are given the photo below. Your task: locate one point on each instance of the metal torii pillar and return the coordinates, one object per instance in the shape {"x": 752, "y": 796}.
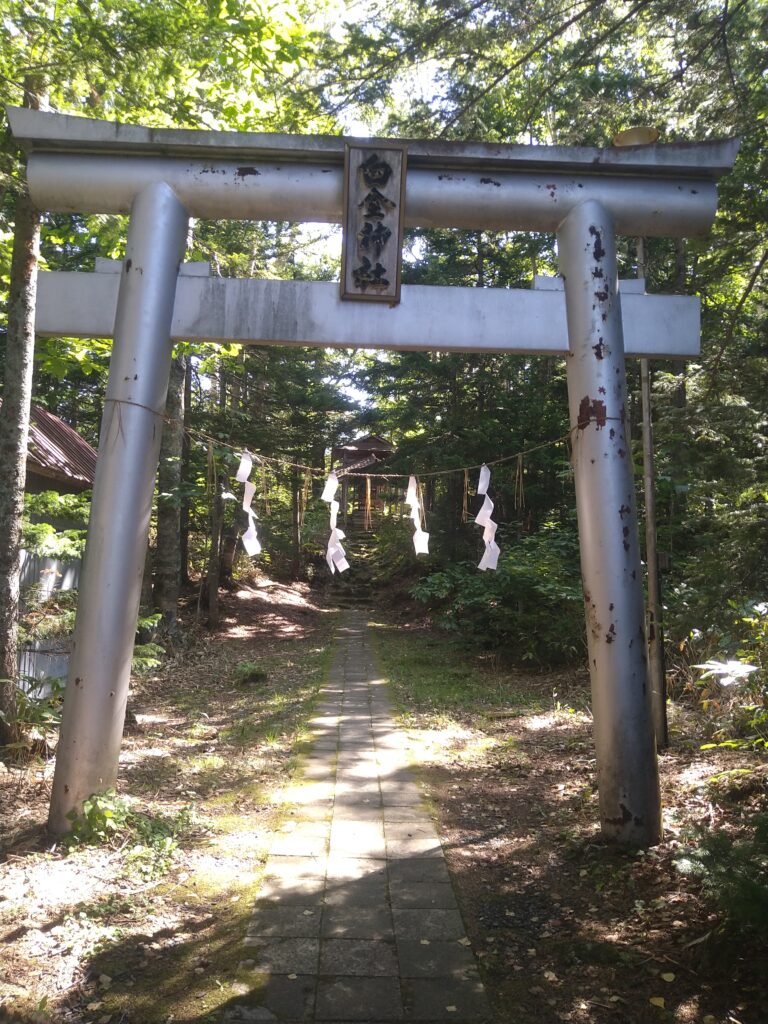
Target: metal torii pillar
{"x": 166, "y": 175}
{"x": 129, "y": 447}
{"x": 628, "y": 782}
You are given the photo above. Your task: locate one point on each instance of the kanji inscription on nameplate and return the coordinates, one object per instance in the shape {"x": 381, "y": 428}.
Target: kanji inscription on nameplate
{"x": 374, "y": 200}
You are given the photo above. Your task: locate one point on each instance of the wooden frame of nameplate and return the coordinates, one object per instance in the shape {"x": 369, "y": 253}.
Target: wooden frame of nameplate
{"x": 374, "y": 230}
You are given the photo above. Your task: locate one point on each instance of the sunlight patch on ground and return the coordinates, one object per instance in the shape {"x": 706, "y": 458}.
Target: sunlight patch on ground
{"x": 47, "y": 892}
{"x": 477, "y": 746}
{"x": 536, "y": 723}
{"x": 275, "y": 623}
{"x": 697, "y": 774}
{"x": 306, "y": 793}
{"x": 146, "y": 719}
{"x": 436, "y": 746}
{"x": 370, "y": 770}
{"x": 566, "y": 719}
{"x": 134, "y": 757}
{"x": 245, "y": 841}
{"x": 272, "y": 593}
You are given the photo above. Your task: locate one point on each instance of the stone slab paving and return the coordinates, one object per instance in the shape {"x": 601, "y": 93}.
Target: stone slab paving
{"x": 356, "y": 919}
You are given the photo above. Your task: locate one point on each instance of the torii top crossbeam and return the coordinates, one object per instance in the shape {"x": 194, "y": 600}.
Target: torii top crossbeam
{"x": 80, "y": 165}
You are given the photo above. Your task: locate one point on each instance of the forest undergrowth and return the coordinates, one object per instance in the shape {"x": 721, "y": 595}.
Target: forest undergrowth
{"x": 566, "y": 927}
{"x": 142, "y": 915}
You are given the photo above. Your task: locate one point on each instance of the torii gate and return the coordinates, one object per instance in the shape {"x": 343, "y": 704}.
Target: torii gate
{"x": 162, "y": 177}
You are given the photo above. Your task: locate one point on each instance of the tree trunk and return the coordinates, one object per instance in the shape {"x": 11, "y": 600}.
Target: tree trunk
{"x": 146, "y": 578}
{"x": 238, "y": 400}
{"x": 214, "y": 554}
{"x": 185, "y": 458}
{"x": 168, "y": 557}
{"x": 14, "y": 434}
{"x": 222, "y": 387}
{"x": 296, "y": 523}
{"x": 229, "y": 539}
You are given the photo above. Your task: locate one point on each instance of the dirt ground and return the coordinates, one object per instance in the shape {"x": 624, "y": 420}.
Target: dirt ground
{"x": 141, "y": 929}
{"x": 565, "y": 927}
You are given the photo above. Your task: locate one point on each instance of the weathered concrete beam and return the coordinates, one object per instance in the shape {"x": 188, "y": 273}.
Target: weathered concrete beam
{"x": 501, "y": 200}
{"x": 77, "y": 165}
{"x": 428, "y": 318}
{"x": 40, "y": 131}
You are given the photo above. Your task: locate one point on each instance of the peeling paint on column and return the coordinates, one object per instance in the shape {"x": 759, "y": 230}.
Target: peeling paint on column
{"x": 591, "y": 409}
{"x": 598, "y": 250}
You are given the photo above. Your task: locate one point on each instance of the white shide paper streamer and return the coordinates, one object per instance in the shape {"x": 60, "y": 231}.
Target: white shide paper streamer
{"x": 250, "y": 539}
{"x": 331, "y": 486}
{"x": 244, "y": 469}
{"x": 335, "y": 555}
{"x": 248, "y": 492}
{"x": 420, "y": 537}
{"x": 490, "y": 559}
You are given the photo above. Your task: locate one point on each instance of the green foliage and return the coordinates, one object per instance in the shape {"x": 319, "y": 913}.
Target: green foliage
{"x": 50, "y": 618}
{"x": 435, "y": 674}
{"x": 532, "y": 606}
{"x": 55, "y": 525}
{"x": 392, "y": 555}
{"x": 74, "y": 508}
{"x": 147, "y": 654}
{"x": 37, "y": 712}
{"x": 146, "y": 657}
{"x": 155, "y": 839}
{"x": 726, "y": 669}
{"x": 149, "y": 840}
{"x": 48, "y": 542}
{"x": 733, "y": 871}
{"x": 248, "y": 673}
{"x": 103, "y": 816}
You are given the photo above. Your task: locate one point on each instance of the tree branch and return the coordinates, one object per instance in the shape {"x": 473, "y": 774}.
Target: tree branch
{"x": 593, "y": 46}
{"x": 521, "y": 60}
{"x": 728, "y": 338}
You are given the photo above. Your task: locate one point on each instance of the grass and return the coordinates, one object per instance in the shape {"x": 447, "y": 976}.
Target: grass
{"x": 458, "y": 708}
{"x": 433, "y": 675}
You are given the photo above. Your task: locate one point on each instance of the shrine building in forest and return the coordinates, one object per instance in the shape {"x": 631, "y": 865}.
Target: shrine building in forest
{"x": 363, "y": 499}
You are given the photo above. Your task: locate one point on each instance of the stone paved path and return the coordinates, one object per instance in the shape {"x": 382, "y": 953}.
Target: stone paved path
{"x": 356, "y": 918}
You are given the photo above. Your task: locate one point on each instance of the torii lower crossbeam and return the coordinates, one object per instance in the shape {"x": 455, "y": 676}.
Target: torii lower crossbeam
{"x": 428, "y": 318}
